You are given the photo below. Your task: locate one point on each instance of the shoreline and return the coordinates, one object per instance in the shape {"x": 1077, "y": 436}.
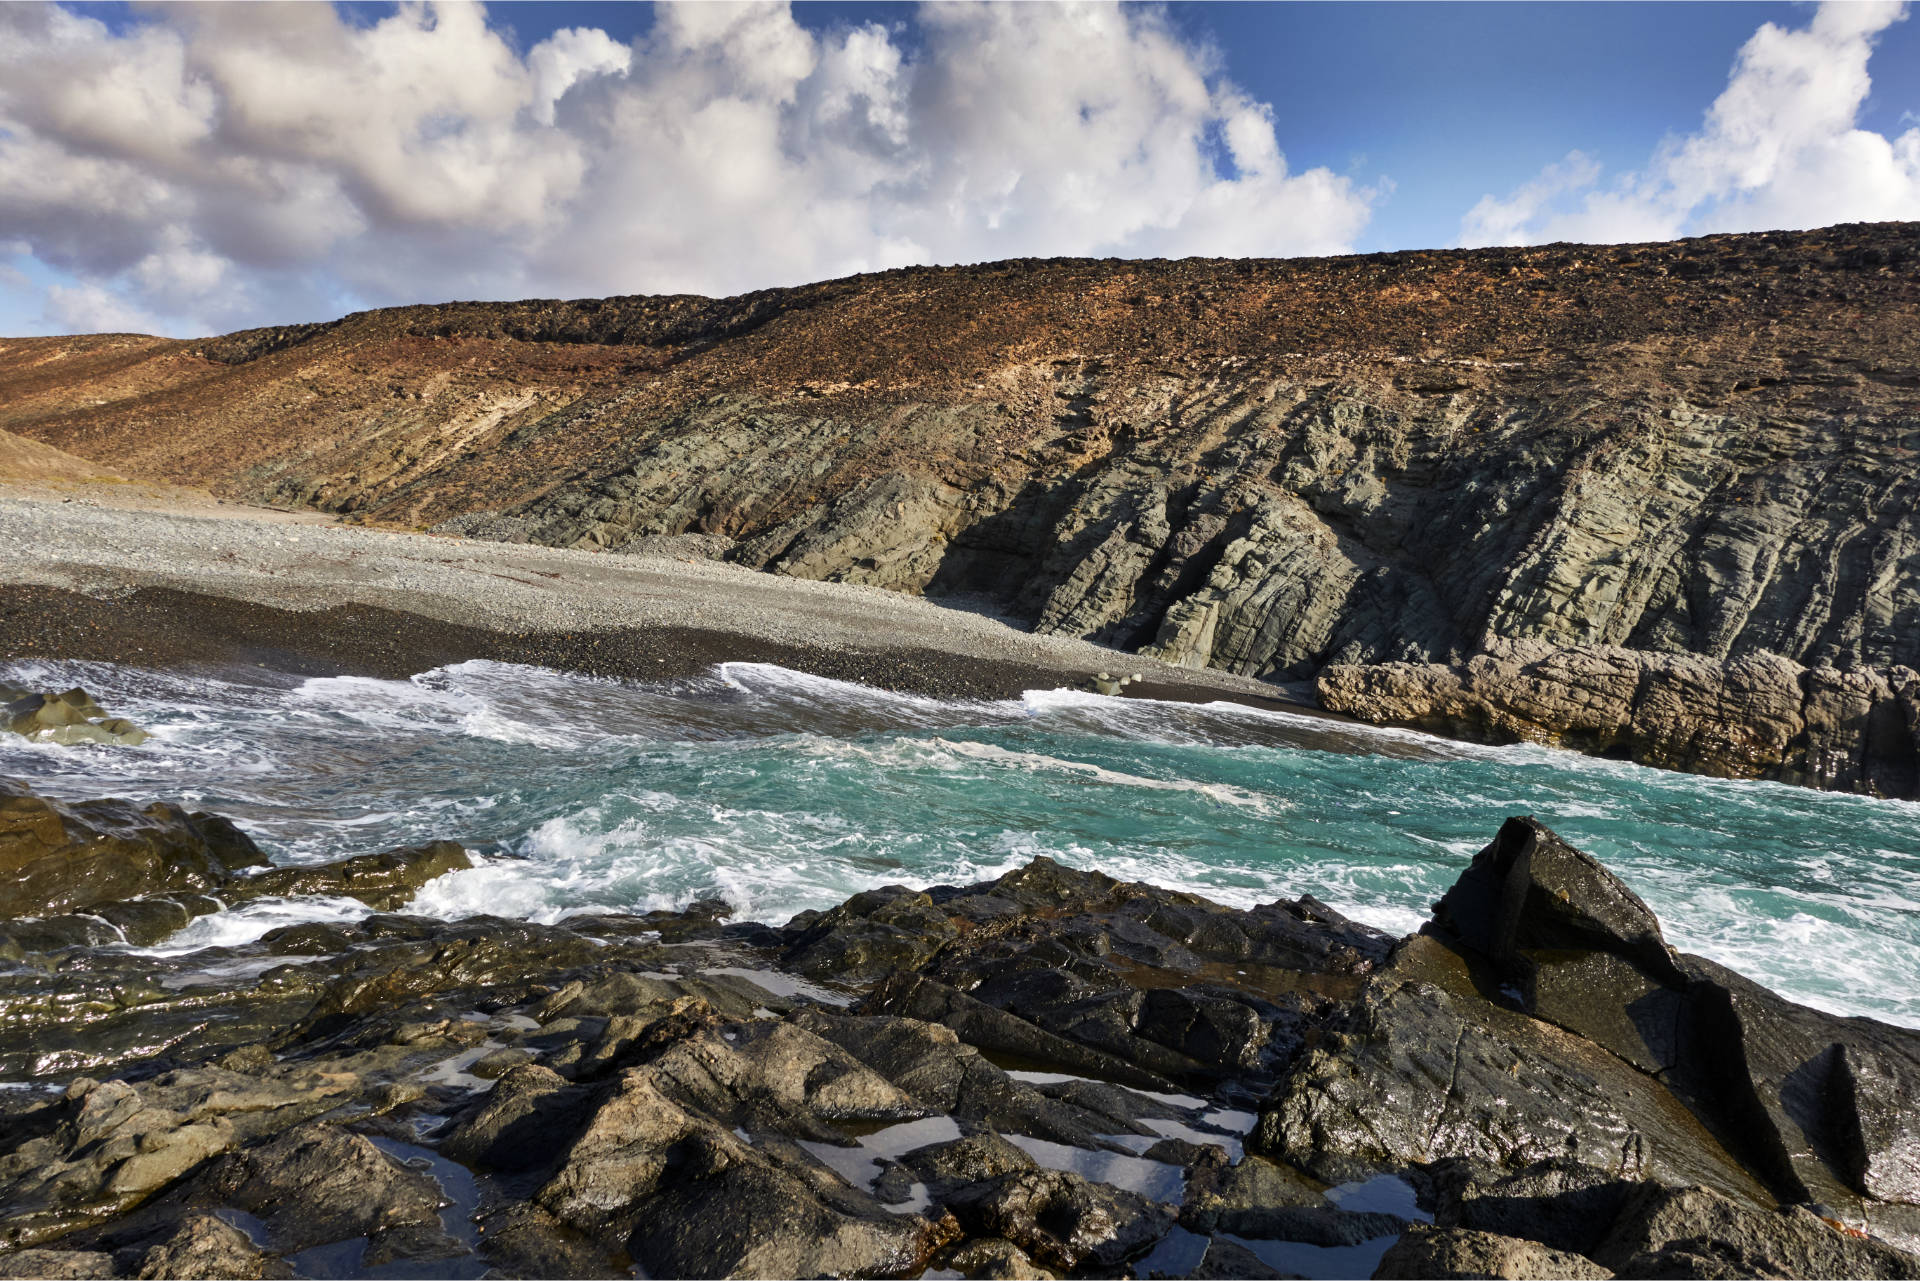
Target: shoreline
{"x": 177, "y": 584}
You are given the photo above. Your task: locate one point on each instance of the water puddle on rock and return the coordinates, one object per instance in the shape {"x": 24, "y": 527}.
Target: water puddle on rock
{"x": 863, "y": 1164}
{"x": 1382, "y": 1194}
{"x": 1155, "y": 1180}
{"x": 453, "y": 1071}
{"x": 343, "y": 1259}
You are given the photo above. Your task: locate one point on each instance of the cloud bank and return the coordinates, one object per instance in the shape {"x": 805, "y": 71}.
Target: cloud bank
{"x": 1779, "y": 148}
{"x": 221, "y": 165}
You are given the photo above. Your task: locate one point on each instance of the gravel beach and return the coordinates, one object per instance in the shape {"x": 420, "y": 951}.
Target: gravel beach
{"x": 155, "y": 577}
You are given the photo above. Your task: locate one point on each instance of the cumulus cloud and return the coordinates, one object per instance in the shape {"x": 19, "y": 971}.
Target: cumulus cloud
{"x": 1779, "y": 148}
{"x": 228, "y": 164}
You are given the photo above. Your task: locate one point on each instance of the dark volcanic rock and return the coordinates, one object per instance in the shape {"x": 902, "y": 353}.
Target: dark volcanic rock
{"x": 1531, "y": 890}
{"x": 1562, "y": 1092}
{"x": 146, "y": 873}
{"x": 1061, "y": 1221}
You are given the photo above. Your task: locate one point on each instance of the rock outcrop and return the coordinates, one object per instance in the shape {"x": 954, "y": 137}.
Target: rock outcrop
{"x": 106, "y": 871}
{"x": 1051, "y": 1073}
{"x": 1704, "y": 447}
{"x": 72, "y": 717}
{"x": 1757, "y": 716}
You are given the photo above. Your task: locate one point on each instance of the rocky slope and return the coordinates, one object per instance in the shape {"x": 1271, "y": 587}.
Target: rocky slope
{"x": 1704, "y": 447}
{"x": 1049, "y": 1074}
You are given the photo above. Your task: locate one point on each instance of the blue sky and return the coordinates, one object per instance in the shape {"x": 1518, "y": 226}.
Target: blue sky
{"x": 184, "y": 171}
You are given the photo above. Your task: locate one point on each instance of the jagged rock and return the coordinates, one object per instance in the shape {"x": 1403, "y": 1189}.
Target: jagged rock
{"x": 317, "y": 1183}
{"x": 1236, "y": 1198}
{"x": 524, "y": 1123}
{"x": 205, "y": 1247}
{"x": 1472, "y": 1079}
{"x": 147, "y": 872}
{"x": 1531, "y": 890}
{"x": 1230, "y": 1261}
{"x": 870, "y": 935}
{"x": 993, "y": 1259}
{"x": 56, "y": 1265}
{"x": 1427, "y": 1252}
{"x": 1776, "y": 1081}
{"x": 1557, "y": 1202}
{"x": 710, "y": 1204}
{"x": 1060, "y": 1220}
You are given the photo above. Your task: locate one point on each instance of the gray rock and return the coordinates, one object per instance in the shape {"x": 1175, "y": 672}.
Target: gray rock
{"x": 1427, "y": 1252}
{"x": 1695, "y": 1232}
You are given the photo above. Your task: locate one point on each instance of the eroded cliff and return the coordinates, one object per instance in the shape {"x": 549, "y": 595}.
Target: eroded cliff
{"x": 1704, "y": 447}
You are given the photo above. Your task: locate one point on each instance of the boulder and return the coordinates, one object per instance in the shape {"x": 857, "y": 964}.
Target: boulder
{"x": 61, "y": 858}
{"x": 1424, "y": 1252}
{"x": 206, "y": 1247}
{"x": 1062, "y": 1221}
{"x": 1696, "y": 1232}
{"x": 69, "y": 718}
{"x": 317, "y": 1184}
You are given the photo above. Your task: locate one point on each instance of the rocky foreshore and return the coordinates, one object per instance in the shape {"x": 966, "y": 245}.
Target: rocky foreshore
{"x": 1051, "y": 1073}
{"x": 1758, "y": 716}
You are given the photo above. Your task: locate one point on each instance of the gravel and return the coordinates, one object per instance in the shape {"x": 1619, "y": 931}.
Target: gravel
{"x": 499, "y": 599}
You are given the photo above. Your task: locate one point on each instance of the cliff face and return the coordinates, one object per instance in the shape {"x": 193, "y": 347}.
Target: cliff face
{"x": 1704, "y": 447}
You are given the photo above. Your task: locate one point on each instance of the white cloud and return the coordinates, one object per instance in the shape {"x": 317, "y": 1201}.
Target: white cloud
{"x": 93, "y": 309}
{"x": 230, "y": 164}
{"x": 1779, "y": 148}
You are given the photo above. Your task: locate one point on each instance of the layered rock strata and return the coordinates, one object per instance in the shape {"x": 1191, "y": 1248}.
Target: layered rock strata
{"x": 1049, "y": 1074}
{"x": 1758, "y": 716}
{"x": 1704, "y": 447}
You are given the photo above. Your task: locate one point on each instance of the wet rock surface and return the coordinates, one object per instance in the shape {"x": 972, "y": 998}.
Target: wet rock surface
{"x": 67, "y": 718}
{"x": 1053, "y": 1073}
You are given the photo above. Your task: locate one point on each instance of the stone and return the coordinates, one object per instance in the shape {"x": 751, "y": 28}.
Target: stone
{"x": 68, "y": 718}
{"x": 1062, "y": 1221}
{"x": 317, "y": 1183}
{"x": 60, "y": 858}
{"x": 205, "y": 1247}
{"x": 1696, "y": 1232}
{"x": 992, "y": 1257}
{"x": 382, "y": 881}
{"x": 1426, "y": 1252}
{"x": 56, "y": 1265}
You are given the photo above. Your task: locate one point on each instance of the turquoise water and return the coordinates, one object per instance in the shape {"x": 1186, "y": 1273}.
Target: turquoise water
{"x": 780, "y": 791}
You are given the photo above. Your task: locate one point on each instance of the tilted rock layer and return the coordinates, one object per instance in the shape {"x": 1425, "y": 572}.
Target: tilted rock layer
{"x": 1702, "y": 447}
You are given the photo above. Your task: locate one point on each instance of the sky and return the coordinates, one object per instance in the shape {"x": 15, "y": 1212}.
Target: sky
{"x": 196, "y": 168}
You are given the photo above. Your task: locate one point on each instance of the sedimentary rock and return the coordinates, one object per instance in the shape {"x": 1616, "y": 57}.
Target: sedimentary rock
{"x": 1703, "y": 447}
{"x": 1755, "y": 716}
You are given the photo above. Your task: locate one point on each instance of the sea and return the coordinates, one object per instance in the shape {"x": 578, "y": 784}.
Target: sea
{"x": 781, "y": 791}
